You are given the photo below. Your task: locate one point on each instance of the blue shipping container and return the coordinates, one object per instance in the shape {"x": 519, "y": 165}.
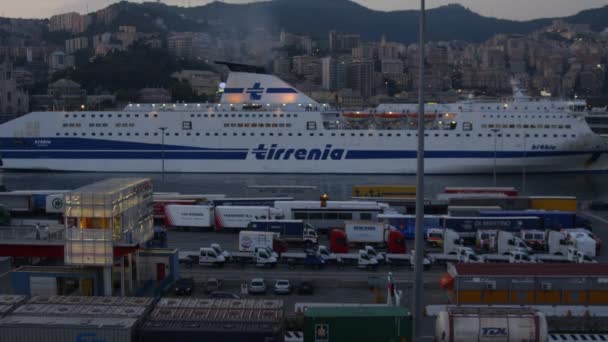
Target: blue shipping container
{"x": 473, "y": 224}
{"x": 406, "y": 224}
{"x": 284, "y": 228}
{"x": 550, "y": 219}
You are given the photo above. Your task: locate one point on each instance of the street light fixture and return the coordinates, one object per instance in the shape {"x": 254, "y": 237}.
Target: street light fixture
{"x": 495, "y": 130}
{"x": 418, "y": 297}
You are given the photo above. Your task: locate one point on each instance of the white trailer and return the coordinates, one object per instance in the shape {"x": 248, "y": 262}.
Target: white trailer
{"x": 188, "y": 216}
{"x": 250, "y": 240}
{"x": 365, "y": 232}
{"x": 239, "y": 217}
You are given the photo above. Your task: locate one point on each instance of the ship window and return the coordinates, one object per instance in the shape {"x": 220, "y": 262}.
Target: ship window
{"x": 83, "y": 134}
{"x": 311, "y": 125}
{"x": 568, "y": 126}
{"x": 120, "y": 115}
{"x": 489, "y": 135}
{"x": 457, "y": 134}
{"x": 66, "y": 115}
{"x": 187, "y": 134}
{"x": 109, "y": 115}
{"x": 517, "y": 135}
{"x": 288, "y": 125}
{"x": 555, "y": 135}
{"x": 198, "y": 134}
{"x": 508, "y": 135}
{"x": 267, "y": 115}
{"x": 288, "y": 115}
{"x": 233, "y": 124}
{"x": 574, "y": 135}
{"x": 233, "y": 115}
{"x": 275, "y": 125}
{"x": 205, "y": 115}
{"x": 511, "y": 126}
{"x": 92, "y": 115}
{"x": 312, "y": 134}
{"x": 280, "y": 134}
{"x": 536, "y": 135}
{"x": 436, "y": 134}
{"x": 565, "y": 135}
{"x": 274, "y": 115}
{"x": 215, "y": 134}
{"x": 281, "y": 115}
{"x": 224, "y": 134}
{"x": 110, "y": 134}
{"x": 480, "y": 135}
{"x": 295, "y": 115}
{"x": 99, "y": 133}
{"x": 467, "y": 126}
{"x": 57, "y": 134}
{"x": 91, "y": 134}
{"x": 243, "y": 134}
{"x": 262, "y": 134}
{"x": 379, "y": 134}
{"x": 290, "y": 134}
{"x": 128, "y": 134}
{"x": 75, "y": 134}
{"x": 299, "y": 134}
{"x": 234, "y": 134}
{"x": 409, "y": 134}
{"x": 342, "y": 134}
{"x": 146, "y": 134}
{"x": 252, "y": 134}
{"x": 446, "y": 135}
{"x": 65, "y": 125}
{"x": 226, "y": 125}
{"x": 362, "y": 134}
{"x": 191, "y": 115}
{"x": 544, "y": 135}
{"x": 128, "y": 115}
{"x": 155, "y": 134}
{"x": 80, "y": 116}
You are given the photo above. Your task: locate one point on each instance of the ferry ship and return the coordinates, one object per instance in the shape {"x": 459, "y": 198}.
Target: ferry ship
{"x": 264, "y": 125}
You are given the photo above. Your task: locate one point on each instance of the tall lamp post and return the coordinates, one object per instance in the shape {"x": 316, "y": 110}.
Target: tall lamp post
{"x": 162, "y": 153}
{"x": 419, "y": 235}
{"x": 523, "y": 175}
{"x": 495, "y": 130}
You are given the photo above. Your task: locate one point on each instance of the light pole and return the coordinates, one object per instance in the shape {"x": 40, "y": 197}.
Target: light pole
{"x": 417, "y": 301}
{"x": 495, "y": 130}
{"x": 162, "y": 152}
{"x": 523, "y": 176}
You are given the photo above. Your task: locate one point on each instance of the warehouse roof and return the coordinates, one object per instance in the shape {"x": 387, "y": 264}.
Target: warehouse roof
{"x": 560, "y": 269}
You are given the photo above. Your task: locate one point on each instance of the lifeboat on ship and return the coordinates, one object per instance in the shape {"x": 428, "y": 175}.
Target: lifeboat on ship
{"x": 357, "y": 119}
{"x": 389, "y": 119}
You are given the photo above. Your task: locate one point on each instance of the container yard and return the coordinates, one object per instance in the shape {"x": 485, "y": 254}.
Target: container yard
{"x": 345, "y": 264}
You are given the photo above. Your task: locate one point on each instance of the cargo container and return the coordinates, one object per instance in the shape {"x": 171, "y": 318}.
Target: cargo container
{"x": 62, "y": 329}
{"x": 507, "y": 191}
{"x": 490, "y": 324}
{"x": 384, "y": 191}
{"x": 187, "y": 331}
{"x": 506, "y": 203}
{"x": 288, "y": 230}
{"x": 468, "y": 211}
{"x": 550, "y": 219}
{"x": 467, "y": 227}
{"x": 355, "y": 324}
{"x": 553, "y": 203}
{"x": 406, "y": 224}
{"x": 188, "y": 216}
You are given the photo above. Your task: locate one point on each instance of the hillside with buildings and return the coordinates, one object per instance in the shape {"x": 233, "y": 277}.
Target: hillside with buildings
{"x": 151, "y": 52}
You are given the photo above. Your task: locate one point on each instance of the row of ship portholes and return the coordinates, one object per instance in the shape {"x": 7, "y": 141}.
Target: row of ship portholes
{"x": 235, "y": 134}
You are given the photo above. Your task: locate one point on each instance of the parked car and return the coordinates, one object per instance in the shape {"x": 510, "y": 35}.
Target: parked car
{"x": 282, "y": 286}
{"x": 184, "y": 286}
{"x": 257, "y": 286}
{"x": 212, "y": 285}
{"x": 306, "y": 288}
{"x": 223, "y": 295}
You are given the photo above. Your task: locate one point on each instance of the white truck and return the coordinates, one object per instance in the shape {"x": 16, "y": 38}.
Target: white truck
{"x": 362, "y": 259}
{"x": 261, "y": 257}
{"x": 582, "y": 241}
{"x": 454, "y": 250}
{"x": 188, "y": 216}
{"x": 320, "y": 250}
{"x": 209, "y": 257}
{"x": 507, "y": 242}
{"x": 239, "y": 217}
{"x": 218, "y": 249}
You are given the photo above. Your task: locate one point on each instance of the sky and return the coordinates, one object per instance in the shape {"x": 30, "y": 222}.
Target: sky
{"x": 508, "y": 9}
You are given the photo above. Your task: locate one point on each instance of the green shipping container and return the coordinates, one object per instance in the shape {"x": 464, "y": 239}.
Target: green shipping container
{"x": 353, "y": 324}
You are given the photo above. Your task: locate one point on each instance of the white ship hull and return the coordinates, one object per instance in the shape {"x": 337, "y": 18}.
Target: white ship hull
{"x": 302, "y": 137}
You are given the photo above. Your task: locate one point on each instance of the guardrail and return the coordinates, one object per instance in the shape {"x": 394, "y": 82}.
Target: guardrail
{"x": 28, "y": 234}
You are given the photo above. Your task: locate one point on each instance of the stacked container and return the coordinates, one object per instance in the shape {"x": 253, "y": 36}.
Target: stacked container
{"x": 74, "y": 318}
{"x": 187, "y": 320}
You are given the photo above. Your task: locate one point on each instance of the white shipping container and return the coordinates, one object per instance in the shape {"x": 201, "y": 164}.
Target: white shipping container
{"x": 238, "y": 217}
{"x": 249, "y": 240}
{"x": 198, "y": 216}
{"x": 62, "y": 329}
{"x": 43, "y": 286}
{"x": 364, "y": 231}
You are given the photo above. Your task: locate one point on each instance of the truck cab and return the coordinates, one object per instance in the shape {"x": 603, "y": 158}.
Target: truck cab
{"x": 520, "y": 257}
{"x": 325, "y": 253}
{"x": 485, "y": 239}
{"x": 558, "y": 243}
{"x": 264, "y": 258}
{"x": 208, "y": 256}
{"x": 507, "y": 241}
{"x": 218, "y": 249}
{"x": 268, "y": 250}
{"x": 366, "y": 260}
{"x": 451, "y": 241}
{"x": 579, "y": 257}
{"x": 467, "y": 254}
{"x": 371, "y": 251}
